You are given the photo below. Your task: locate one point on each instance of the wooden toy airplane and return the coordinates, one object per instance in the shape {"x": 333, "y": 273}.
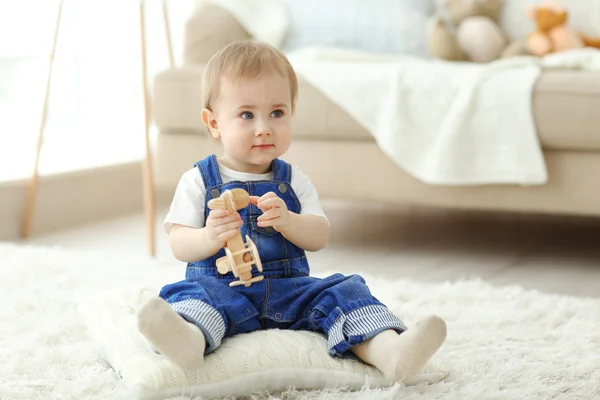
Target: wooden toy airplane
{"x": 239, "y": 256}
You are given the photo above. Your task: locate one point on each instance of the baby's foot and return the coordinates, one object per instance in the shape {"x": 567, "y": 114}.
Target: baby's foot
{"x": 177, "y": 339}
{"x": 410, "y": 351}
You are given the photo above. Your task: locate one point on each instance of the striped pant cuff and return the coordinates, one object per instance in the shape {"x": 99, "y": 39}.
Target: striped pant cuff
{"x": 360, "y": 325}
{"x": 205, "y": 317}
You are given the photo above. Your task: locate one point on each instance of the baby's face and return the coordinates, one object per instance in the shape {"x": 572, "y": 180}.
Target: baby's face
{"x": 254, "y": 121}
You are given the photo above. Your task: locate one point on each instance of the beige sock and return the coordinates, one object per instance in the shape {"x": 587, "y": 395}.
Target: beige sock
{"x": 175, "y": 338}
{"x": 404, "y": 355}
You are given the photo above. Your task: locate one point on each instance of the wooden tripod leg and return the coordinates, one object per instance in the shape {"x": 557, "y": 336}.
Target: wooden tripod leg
{"x": 33, "y": 181}
{"x": 149, "y": 200}
{"x": 165, "y": 12}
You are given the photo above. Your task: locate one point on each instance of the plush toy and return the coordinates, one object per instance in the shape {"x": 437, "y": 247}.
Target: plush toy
{"x": 471, "y": 33}
{"x": 552, "y": 33}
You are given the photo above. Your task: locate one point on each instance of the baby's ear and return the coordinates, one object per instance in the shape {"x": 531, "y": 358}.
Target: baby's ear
{"x": 211, "y": 122}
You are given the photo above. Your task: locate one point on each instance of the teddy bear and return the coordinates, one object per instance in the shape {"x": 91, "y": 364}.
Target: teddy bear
{"x": 471, "y": 33}
{"x": 552, "y": 33}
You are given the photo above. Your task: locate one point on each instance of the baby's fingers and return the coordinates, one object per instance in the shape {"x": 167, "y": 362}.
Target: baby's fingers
{"x": 225, "y": 218}
{"x": 266, "y": 196}
{"x": 214, "y": 214}
{"x": 270, "y": 214}
{"x": 228, "y": 227}
{"x": 254, "y": 199}
{"x": 271, "y": 203}
{"x": 220, "y": 225}
{"x": 225, "y": 236}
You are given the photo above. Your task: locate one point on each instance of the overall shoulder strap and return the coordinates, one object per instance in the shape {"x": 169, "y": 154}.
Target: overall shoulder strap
{"x": 282, "y": 171}
{"x": 209, "y": 170}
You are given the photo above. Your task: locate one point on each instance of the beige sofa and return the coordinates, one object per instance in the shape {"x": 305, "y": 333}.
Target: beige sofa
{"x": 344, "y": 161}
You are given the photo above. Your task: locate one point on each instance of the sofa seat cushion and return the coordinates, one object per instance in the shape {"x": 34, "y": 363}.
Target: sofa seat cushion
{"x": 564, "y": 105}
{"x": 564, "y": 101}
{"x": 177, "y": 103}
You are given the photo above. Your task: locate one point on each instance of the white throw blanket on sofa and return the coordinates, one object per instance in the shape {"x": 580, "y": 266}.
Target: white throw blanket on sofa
{"x": 445, "y": 123}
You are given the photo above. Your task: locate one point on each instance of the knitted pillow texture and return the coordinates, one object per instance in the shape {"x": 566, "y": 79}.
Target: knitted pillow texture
{"x": 271, "y": 360}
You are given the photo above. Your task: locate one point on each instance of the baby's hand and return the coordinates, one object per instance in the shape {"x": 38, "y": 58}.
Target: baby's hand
{"x": 275, "y": 212}
{"x": 222, "y": 225}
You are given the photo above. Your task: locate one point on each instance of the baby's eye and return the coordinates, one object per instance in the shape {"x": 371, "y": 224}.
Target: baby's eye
{"x": 247, "y": 115}
{"x": 277, "y": 114}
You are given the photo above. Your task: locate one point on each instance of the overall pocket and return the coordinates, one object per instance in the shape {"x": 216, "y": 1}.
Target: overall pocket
{"x": 267, "y": 231}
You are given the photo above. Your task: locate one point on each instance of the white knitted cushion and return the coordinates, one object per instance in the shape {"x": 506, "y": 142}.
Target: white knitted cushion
{"x": 272, "y": 360}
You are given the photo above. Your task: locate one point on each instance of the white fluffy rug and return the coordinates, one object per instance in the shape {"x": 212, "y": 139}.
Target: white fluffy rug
{"x": 503, "y": 343}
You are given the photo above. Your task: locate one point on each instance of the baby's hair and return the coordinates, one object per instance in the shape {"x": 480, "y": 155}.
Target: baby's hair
{"x": 246, "y": 59}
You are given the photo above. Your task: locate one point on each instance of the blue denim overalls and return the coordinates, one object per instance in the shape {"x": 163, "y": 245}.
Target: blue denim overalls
{"x": 340, "y": 306}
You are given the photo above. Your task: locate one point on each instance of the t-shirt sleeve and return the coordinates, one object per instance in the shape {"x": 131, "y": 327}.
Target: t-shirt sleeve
{"x": 187, "y": 207}
{"x": 307, "y": 194}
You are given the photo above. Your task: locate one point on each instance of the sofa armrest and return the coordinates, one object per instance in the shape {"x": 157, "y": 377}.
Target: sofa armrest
{"x": 177, "y": 92}
{"x": 177, "y": 99}
{"x": 209, "y": 29}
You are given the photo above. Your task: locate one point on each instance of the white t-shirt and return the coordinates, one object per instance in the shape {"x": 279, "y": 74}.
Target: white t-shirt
{"x": 187, "y": 207}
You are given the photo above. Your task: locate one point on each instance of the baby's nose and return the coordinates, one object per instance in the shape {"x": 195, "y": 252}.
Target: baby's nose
{"x": 263, "y": 130}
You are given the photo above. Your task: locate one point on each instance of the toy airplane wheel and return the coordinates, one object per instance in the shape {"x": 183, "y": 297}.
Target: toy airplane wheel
{"x": 231, "y": 260}
{"x": 223, "y": 265}
{"x": 254, "y": 253}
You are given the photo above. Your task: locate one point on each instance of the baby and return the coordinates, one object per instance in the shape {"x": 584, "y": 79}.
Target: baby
{"x": 250, "y": 92}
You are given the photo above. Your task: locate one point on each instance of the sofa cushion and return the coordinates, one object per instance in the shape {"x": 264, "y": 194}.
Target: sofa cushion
{"x": 208, "y": 29}
{"x": 390, "y": 26}
{"x": 565, "y": 104}
{"x": 177, "y": 99}
{"x": 317, "y": 117}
